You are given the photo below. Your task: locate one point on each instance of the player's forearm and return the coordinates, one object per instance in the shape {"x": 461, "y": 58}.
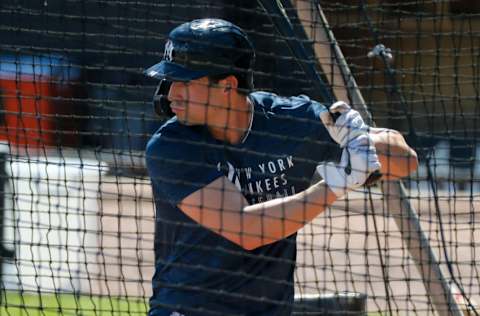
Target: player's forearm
{"x": 222, "y": 208}
{"x": 256, "y": 225}
{"x": 396, "y": 157}
{"x": 273, "y": 220}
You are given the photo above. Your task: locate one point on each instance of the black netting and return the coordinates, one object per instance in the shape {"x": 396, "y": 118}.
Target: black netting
{"x": 77, "y": 215}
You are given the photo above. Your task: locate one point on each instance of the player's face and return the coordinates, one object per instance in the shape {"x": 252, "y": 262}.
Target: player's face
{"x": 197, "y": 102}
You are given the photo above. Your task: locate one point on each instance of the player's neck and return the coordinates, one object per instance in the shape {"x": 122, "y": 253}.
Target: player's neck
{"x": 238, "y": 124}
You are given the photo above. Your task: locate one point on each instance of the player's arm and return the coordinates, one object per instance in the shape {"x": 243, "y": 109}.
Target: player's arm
{"x": 396, "y": 157}
{"x": 221, "y": 207}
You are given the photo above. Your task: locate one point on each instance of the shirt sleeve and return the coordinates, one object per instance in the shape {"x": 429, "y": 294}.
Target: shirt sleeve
{"x": 179, "y": 166}
{"x": 303, "y": 115}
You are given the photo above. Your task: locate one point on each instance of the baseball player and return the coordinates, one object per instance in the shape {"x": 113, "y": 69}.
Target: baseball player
{"x": 232, "y": 170}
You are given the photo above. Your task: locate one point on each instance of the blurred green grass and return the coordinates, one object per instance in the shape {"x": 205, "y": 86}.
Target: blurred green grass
{"x": 31, "y": 304}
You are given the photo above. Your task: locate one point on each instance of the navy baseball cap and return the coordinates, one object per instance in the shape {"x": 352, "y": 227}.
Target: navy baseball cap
{"x": 204, "y": 47}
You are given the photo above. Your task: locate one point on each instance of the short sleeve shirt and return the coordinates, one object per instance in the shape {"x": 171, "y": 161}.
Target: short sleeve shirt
{"x": 198, "y": 269}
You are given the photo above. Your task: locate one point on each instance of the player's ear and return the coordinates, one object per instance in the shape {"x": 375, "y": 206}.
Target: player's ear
{"x": 229, "y": 83}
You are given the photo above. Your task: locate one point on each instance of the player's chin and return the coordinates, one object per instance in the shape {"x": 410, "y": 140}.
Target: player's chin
{"x": 183, "y": 119}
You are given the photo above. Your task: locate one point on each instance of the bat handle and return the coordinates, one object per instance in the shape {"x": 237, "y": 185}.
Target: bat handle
{"x": 373, "y": 178}
{"x": 335, "y": 116}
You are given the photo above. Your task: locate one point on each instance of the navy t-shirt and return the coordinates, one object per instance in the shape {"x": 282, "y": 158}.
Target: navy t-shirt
{"x": 198, "y": 272}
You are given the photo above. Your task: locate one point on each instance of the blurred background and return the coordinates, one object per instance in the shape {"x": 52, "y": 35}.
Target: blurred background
{"x": 75, "y": 115}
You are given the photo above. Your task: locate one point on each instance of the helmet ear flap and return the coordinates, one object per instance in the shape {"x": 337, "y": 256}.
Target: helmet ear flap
{"x": 161, "y": 104}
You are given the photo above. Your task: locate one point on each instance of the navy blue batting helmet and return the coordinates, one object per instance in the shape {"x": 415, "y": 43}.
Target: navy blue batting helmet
{"x": 205, "y": 47}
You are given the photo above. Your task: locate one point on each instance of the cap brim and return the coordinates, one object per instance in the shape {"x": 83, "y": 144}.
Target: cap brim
{"x": 173, "y": 72}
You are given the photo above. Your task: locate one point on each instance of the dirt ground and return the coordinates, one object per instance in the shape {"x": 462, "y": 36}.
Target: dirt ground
{"x": 338, "y": 251}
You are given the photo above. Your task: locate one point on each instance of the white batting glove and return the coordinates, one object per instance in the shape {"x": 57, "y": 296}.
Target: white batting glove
{"x": 348, "y": 126}
{"x": 359, "y": 160}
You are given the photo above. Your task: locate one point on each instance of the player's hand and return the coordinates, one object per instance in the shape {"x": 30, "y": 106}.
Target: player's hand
{"x": 359, "y": 160}
{"x": 348, "y": 125}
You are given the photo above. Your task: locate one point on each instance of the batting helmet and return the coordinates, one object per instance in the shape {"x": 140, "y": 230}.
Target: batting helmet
{"x": 204, "y": 47}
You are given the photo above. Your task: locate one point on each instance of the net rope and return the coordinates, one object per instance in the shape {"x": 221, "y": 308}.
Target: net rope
{"x": 77, "y": 213}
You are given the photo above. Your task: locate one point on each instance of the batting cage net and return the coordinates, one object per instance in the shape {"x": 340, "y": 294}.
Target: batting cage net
{"x": 77, "y": 212}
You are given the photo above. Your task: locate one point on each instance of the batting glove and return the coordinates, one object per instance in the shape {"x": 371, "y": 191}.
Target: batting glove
{"x": 348, "y": 126}
{"x": 359, "y": 160}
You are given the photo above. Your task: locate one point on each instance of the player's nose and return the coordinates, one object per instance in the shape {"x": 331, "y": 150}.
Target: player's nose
{"x": 176, "y": 91}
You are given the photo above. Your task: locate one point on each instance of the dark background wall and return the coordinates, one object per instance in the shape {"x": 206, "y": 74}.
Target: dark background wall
{"x": 108, "y": 44}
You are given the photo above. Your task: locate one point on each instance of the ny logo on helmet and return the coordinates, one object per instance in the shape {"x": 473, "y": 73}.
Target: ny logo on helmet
{"x": 168, "y": 54}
